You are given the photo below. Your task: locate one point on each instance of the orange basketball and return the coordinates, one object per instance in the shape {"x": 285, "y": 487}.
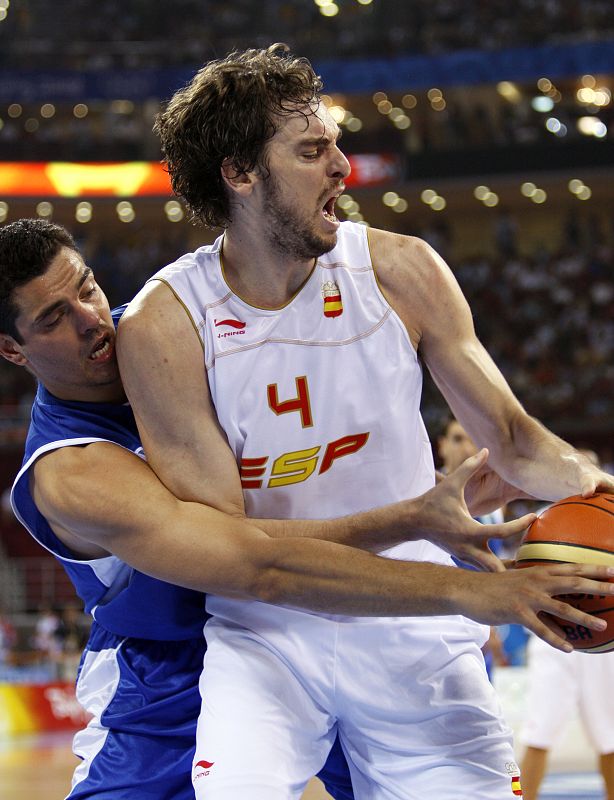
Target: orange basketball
{"x": 578, "y": 530}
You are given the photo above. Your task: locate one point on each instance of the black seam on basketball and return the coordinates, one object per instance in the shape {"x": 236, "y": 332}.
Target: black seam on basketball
{"x": 567, "y": 544}
{"x": 590, "y": 505}
{"x": 599, "y": 611}
{"x": 596, "y": 648}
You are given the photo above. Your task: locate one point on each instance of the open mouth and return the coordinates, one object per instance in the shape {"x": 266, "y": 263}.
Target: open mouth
{"x": 102, "y": 349}
{"x": 328, "y": 212}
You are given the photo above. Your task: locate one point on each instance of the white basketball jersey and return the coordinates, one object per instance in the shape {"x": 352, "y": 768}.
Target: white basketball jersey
{"x": 320, "y": 399}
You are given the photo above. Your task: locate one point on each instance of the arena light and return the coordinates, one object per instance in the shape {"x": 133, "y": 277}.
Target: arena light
{"x": 584, "y": 193}
{"x": 589, "y": 80}
{"x": 402, "y": 123}
{"x": 480, "y": 192}
{"x": 44, "y": 209}
{"x": 384, "y": 106}
{"x": 3, "y": 14}
{"x": 528, "y": 189}
{"x": 428, "y": 196}
{"x": 539, "y": 196}
{"x": 390, "y": 198}
{"x": 83, "y": 212}
{"x": 344, "y": 201}
{"x": 491, "y": 200}
{"x": 338, "y": 113}
{"x": 574, "y": 185}
{"x": 174, "y": 211}
{"x": 329, "y": 10}
{"x": 409, "y": 101}
{"x": 542, "y": 104}
{"x": 47, "y": 110}
{"x": 31, "y": 125}
{"x": 438, "y": 204}
{"x": 353, "y": 124}
{"x": 4, "y": 210}
{"x": 14, "y": 110}
{"x": 379, "y": 96}
{"x": 556, "y": 127}
{"x": 509, "y": 91}
{"x": 364, "y": 2}
{"x": 400, "y": 206}
{"x": 544, "y": 85}
{"x": 592, "y": 126}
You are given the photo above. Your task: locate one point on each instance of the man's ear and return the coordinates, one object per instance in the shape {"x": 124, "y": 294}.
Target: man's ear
{"x": 12, "y": 350}
{"x": 240, "y": 183}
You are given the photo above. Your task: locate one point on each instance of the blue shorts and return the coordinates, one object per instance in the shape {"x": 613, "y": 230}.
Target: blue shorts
{"x": 144, "y": 700}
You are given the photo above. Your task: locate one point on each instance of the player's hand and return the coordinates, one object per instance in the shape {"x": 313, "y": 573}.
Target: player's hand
{"x": 486, "y": 491}
{"x": 592, "y": 479}
{"x": 530, "y": 597}
{"x": 445, "y": 519}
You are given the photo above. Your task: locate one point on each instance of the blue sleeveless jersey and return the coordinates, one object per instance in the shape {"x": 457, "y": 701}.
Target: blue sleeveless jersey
{"x": 122, "y": 600}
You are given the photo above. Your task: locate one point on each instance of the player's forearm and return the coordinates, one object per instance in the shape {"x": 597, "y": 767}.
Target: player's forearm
{"x": 539, "y": 462}
{"x": 321, "y": 576}
{"x": 374, "y": 530}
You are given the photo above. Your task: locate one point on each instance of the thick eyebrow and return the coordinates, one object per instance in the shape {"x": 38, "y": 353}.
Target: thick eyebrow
{"x": 321, "y": 140}
{"x": 87, "y": 272}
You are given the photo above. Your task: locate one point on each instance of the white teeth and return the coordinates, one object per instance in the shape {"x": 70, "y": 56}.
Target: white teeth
{"x": 330, "y": 217}
{"x": 101, "y": 351}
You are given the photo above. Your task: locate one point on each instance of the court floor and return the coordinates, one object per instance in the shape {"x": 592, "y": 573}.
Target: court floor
{"x": 40, "y": 767}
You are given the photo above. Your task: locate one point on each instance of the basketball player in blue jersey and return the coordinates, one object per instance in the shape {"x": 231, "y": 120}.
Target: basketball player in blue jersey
{"x": 296, "y": 340}
{"x": 86, "y": 495}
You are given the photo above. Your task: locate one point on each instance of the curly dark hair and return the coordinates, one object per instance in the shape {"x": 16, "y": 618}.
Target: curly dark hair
{"x": 228, "y": 112}
{"x": 27, "y": 247}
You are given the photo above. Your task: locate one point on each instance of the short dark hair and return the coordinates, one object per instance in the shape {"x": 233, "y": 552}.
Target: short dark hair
{"x": 229, "y": 111}
{"x": 27, "y": 247}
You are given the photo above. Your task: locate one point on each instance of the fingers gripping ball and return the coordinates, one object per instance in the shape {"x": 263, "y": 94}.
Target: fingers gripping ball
{"x": 578, "y": 530}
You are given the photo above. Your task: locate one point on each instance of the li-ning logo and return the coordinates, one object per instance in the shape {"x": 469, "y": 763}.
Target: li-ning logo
{"x": 205, "y": 766}
{"x": 231, "y": 323}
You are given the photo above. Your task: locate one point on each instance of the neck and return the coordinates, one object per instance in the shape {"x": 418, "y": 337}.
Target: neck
{"x": 108, "y": 393}
{"x": 260, "y": 275}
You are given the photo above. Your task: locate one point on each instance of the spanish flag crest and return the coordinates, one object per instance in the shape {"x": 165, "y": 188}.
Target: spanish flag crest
{"x": 333, "y": 307}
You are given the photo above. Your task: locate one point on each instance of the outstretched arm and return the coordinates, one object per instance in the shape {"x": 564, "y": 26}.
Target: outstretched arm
{"x": 128, "y": 512}
{"x": 439, "y": 322}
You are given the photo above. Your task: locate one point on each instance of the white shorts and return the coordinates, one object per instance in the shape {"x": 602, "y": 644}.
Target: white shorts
{"x": 410, "y": 699}
{"x": 560, "y": 684}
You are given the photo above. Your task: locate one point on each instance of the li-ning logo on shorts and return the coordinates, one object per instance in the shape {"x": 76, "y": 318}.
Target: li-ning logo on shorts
{"x": 230, "y": 323}
{"x": 205, "y": 767}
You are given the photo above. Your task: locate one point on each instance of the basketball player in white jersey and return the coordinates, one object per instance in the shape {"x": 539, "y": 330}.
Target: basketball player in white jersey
{"x": 296, "y": 341}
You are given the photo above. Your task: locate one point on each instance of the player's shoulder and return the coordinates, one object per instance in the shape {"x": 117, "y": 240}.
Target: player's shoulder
{"x": 402, "y": 261}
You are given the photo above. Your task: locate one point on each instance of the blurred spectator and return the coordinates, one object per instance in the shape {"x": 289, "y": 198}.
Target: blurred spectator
{"x": 8, "y": 639}
{"x": 70, "y": 637}
{"x": 45, "y": 641}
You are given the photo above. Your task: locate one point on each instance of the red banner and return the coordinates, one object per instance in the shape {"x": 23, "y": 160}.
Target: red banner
{"x": 143, "y": 178}
{"x": 39, "y": 708}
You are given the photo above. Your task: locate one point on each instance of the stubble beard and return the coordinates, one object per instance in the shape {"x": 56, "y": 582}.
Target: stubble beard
{"x": 287, "y": 232}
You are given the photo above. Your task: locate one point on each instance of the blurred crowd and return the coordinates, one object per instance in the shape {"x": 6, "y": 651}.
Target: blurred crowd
{"x": 48, "y": 643}
{"x": 189, "y": 31}
{"x": 547, "y": 317}
{"x": 469, "y": 121}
